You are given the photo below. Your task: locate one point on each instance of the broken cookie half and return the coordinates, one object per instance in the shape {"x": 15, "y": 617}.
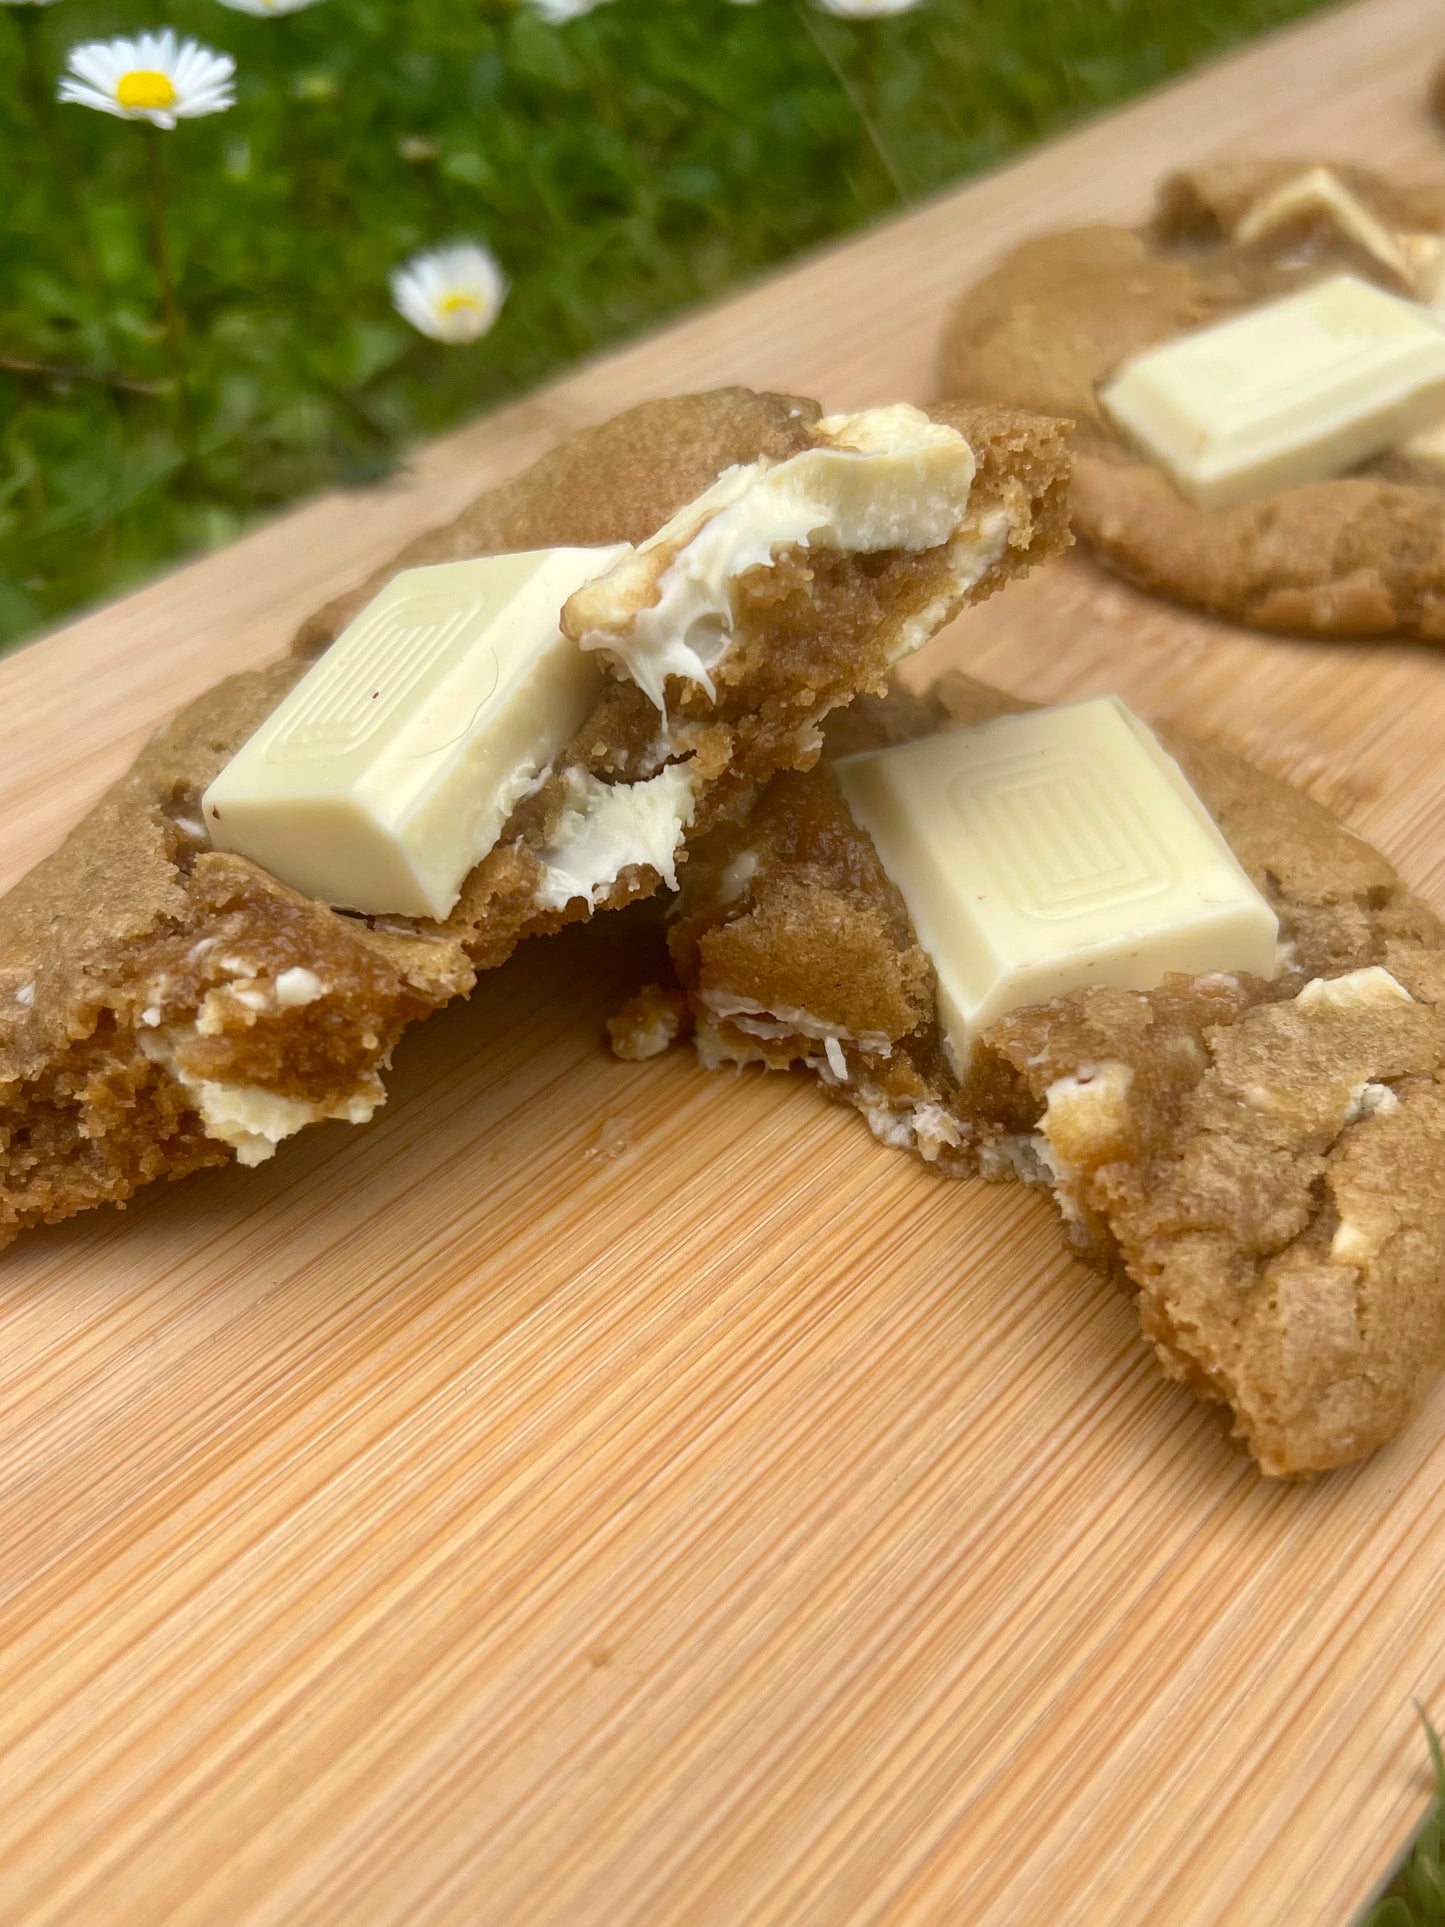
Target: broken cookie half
{"x": 312, "y": 856}
{"x": 1234, "y": 1086}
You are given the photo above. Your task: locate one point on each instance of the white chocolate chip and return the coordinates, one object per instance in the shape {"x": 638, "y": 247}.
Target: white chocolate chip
{"x": 607, "y": 828}
{"x": 1093, "y": 1101}
{"x": 1261, "y": 1097}
{"x": 1363, "y": 1231}
{"x": 1427, "y": 449}
{"x": 1351, "y": 1245}
{"x": 737, "y": 876}
{"x": 251, "y": 1120}
{"x": 298, "y": 986}
{"x": 1372, "y": 987}
{"x": 935, "y": 1130}
{"x": 1371, "y": 1100}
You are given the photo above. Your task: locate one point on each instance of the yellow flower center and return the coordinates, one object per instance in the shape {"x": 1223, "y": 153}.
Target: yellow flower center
{"x": 454, "y": 303}
{"x": 145, "y": 88}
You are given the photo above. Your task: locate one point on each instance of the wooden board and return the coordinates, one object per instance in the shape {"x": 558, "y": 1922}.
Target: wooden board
{"x": 617, "y": 1494}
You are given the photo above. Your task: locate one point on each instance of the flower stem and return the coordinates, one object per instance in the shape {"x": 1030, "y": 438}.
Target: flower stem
{"x": 53, "y": 373}
{"x": 170, "y": 307}
{"x": 855, "y": 100}
{"x": 40, "y": 91}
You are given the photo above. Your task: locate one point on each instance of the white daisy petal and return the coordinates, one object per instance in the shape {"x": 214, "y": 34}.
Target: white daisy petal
{"x": 70, "y": 90}
{"x": 452, "y": 294}
{"x": 153, "y": 77}
{"x": 92, "y": 62}
{"x": 865, "y": 9}
{"x": 267, "y": 9}
{"x": 558, "y": 12}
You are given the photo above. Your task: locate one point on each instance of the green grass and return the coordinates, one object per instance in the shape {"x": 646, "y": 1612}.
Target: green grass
{"x": 645, "y": 157}
{"x": 1416, "y": 1897}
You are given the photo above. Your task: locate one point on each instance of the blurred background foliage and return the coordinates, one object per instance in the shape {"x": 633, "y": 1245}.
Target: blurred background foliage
{"x": 645, "y": 156}
{"x": 1416, "y": 1895}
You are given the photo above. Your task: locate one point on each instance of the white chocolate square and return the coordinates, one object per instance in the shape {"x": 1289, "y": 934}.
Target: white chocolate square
{"x": 1043, "y": 853}
{"x": 389, "y": 771}
{"x": 1293, "y": 392}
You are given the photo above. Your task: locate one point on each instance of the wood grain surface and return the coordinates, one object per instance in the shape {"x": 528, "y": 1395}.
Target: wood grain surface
{"x": 606, "y": 1493}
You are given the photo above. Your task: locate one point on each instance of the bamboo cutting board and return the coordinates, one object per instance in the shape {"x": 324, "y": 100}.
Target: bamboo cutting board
{"x": 608, "y": 1493}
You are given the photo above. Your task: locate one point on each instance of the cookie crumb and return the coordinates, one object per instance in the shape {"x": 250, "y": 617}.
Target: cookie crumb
{"x": 649, "y": 1023}
{"x": 614, "y": 1140}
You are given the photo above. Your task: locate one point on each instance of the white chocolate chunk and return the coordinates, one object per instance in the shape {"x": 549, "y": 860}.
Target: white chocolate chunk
{"x": 390, "y": 769}
{"x": 1319, "y": 193}
{"x": 786, "y": 1020}
{"x": 297, "y": 987}
{"x": 251, "y": 1120}
{"x": 1359, "y": 1240}
{"x": 1415, "y": 257}
{"x": 1084, "y": 1113}
{"x": 888, "y": 478}
{"x": 1096, "y": 1098}
{"x": 1363, "y": 989}
{"x": 607, "y": 828}
{"x": 1352, "y": 1244}
{"x": 1370, "y": 1100}
{"x": 1426, "y": 449}
{"x": 1293, "y": 392}
{"x": 1043, "y": 853}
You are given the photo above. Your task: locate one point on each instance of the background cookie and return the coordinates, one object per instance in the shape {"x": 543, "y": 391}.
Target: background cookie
{"x": 1360, "y": 556}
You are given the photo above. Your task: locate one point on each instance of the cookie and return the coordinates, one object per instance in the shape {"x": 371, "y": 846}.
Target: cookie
{"x": 1257, "y": 1160}
{"x": 1359, "y": 556}
{"x": 164, "y": 1005}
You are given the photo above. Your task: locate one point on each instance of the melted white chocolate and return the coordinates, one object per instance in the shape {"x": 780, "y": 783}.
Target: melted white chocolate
{"x": 888, "y": 478}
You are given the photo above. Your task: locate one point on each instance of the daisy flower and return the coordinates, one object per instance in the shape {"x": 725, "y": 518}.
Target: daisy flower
{"x": 453, "y": 294}
{"x": 267, "y": 9}
{"x": 558, "y": 12}
{"x": 154, "y": 77}
{"x": 865, "y": 9}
